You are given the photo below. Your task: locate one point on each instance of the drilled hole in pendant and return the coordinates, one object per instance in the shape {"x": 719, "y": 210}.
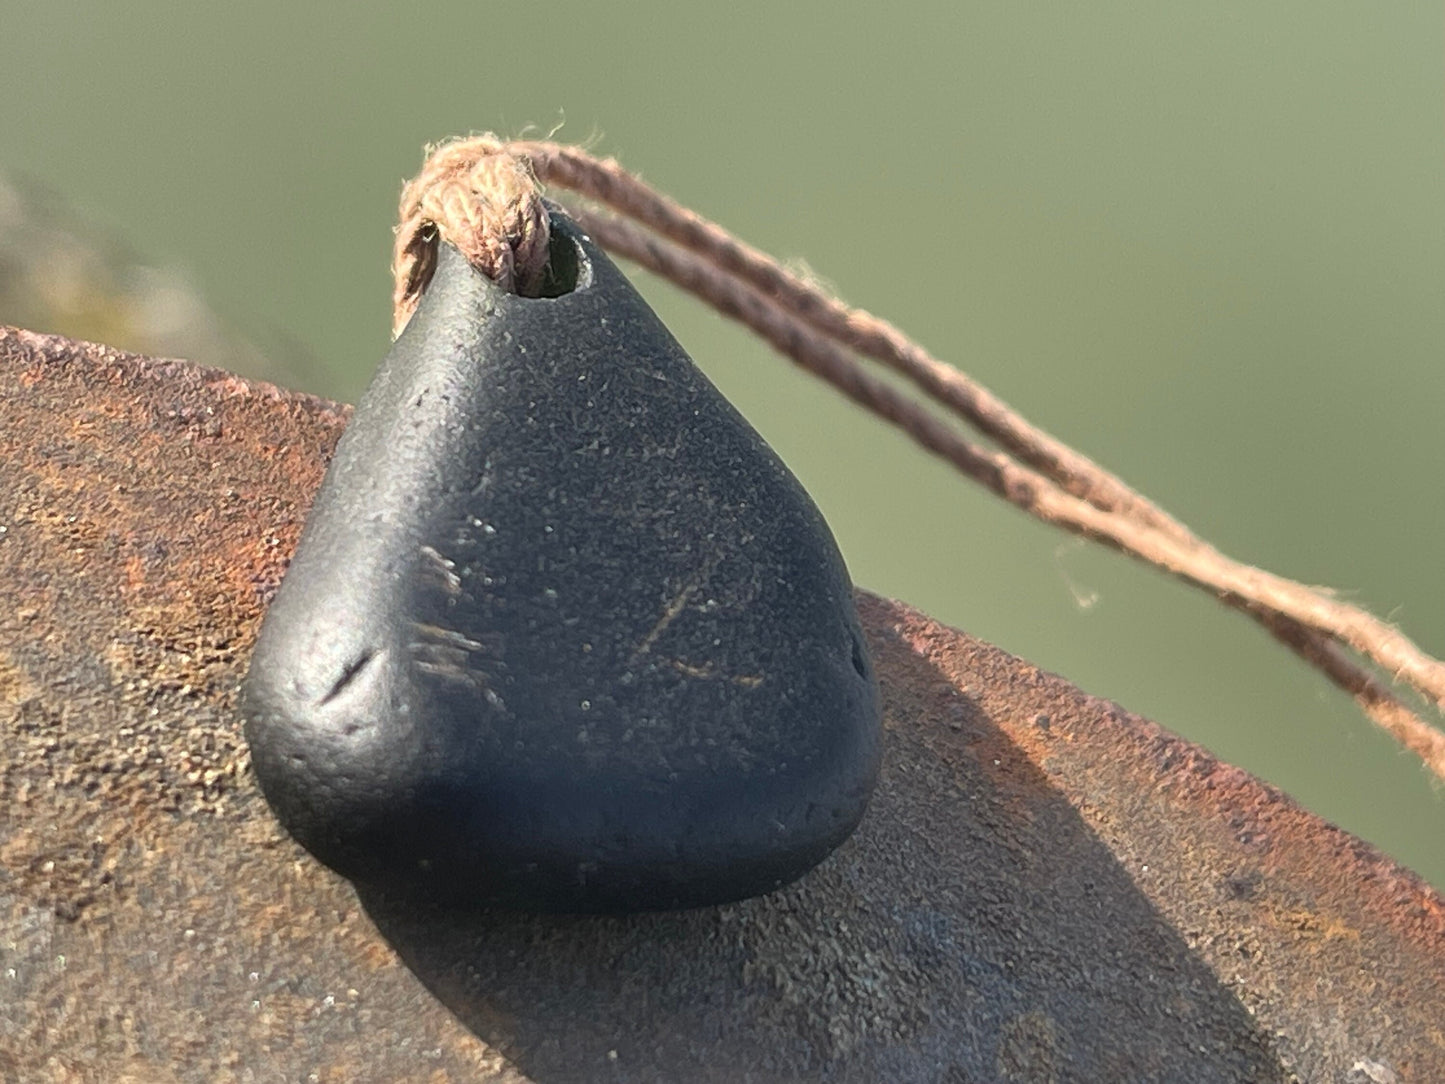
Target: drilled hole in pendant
{"x": 563, "y": 266}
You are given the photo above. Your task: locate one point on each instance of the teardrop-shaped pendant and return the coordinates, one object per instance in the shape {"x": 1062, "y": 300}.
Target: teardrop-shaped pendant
{"x": 561, "y": 633}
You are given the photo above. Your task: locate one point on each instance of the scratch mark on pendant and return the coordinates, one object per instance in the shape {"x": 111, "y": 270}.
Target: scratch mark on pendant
{"x": 447, "y": 654}
{"x": 675, "y": 607}
{"x": 709, "y": 671}
{"x": 442, "y": 636}
{"x": 348, "y": 675}
{"x": 669, "y": 614}
{"x": 442, "y": 569}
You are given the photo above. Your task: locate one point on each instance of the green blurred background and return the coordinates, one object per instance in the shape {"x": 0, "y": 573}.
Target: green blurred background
{"x": 1205, "y": 244}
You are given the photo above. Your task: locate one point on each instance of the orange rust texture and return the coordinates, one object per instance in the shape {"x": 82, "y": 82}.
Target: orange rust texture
{"x": 1045, "y": 888}
{"x": 147, "y": 514}
{"x": 1301, "y": 920}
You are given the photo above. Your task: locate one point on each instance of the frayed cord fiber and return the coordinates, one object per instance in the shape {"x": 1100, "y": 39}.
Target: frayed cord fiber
{"x": 485, "y": 202}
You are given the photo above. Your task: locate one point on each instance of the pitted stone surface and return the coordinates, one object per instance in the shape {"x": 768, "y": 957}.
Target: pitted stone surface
{"x": 562, "y": 632}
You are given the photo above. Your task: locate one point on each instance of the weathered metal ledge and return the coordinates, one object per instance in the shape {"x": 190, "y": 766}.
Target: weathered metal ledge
{"x": 1046, "y": 888}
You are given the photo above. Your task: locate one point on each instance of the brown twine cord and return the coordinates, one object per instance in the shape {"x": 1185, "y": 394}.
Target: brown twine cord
{"x": 1034, "y": 471}
{"x": 487, "y": 206}
{"x": 1018, "y": 485}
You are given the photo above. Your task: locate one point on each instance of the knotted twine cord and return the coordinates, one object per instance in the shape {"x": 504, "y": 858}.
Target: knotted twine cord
{"x": 487, "y": 206}
{"x": 483, "y": 196}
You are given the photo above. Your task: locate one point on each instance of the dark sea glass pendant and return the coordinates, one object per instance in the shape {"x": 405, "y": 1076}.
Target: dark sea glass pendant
{"x": 561, "y": 633}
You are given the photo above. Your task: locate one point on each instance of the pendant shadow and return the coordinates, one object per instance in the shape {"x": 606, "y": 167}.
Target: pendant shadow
{"x": 973, "y": 929}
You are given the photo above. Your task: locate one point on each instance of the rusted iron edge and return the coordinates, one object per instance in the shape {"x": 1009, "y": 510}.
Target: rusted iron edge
{"x": 148, "y": 508}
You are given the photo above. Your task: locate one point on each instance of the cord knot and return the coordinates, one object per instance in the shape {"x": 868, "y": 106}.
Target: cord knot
{"x": 477, "y": 196}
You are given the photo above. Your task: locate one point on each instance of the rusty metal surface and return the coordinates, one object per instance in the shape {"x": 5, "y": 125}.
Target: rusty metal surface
{"x": 1045, "y": 889}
